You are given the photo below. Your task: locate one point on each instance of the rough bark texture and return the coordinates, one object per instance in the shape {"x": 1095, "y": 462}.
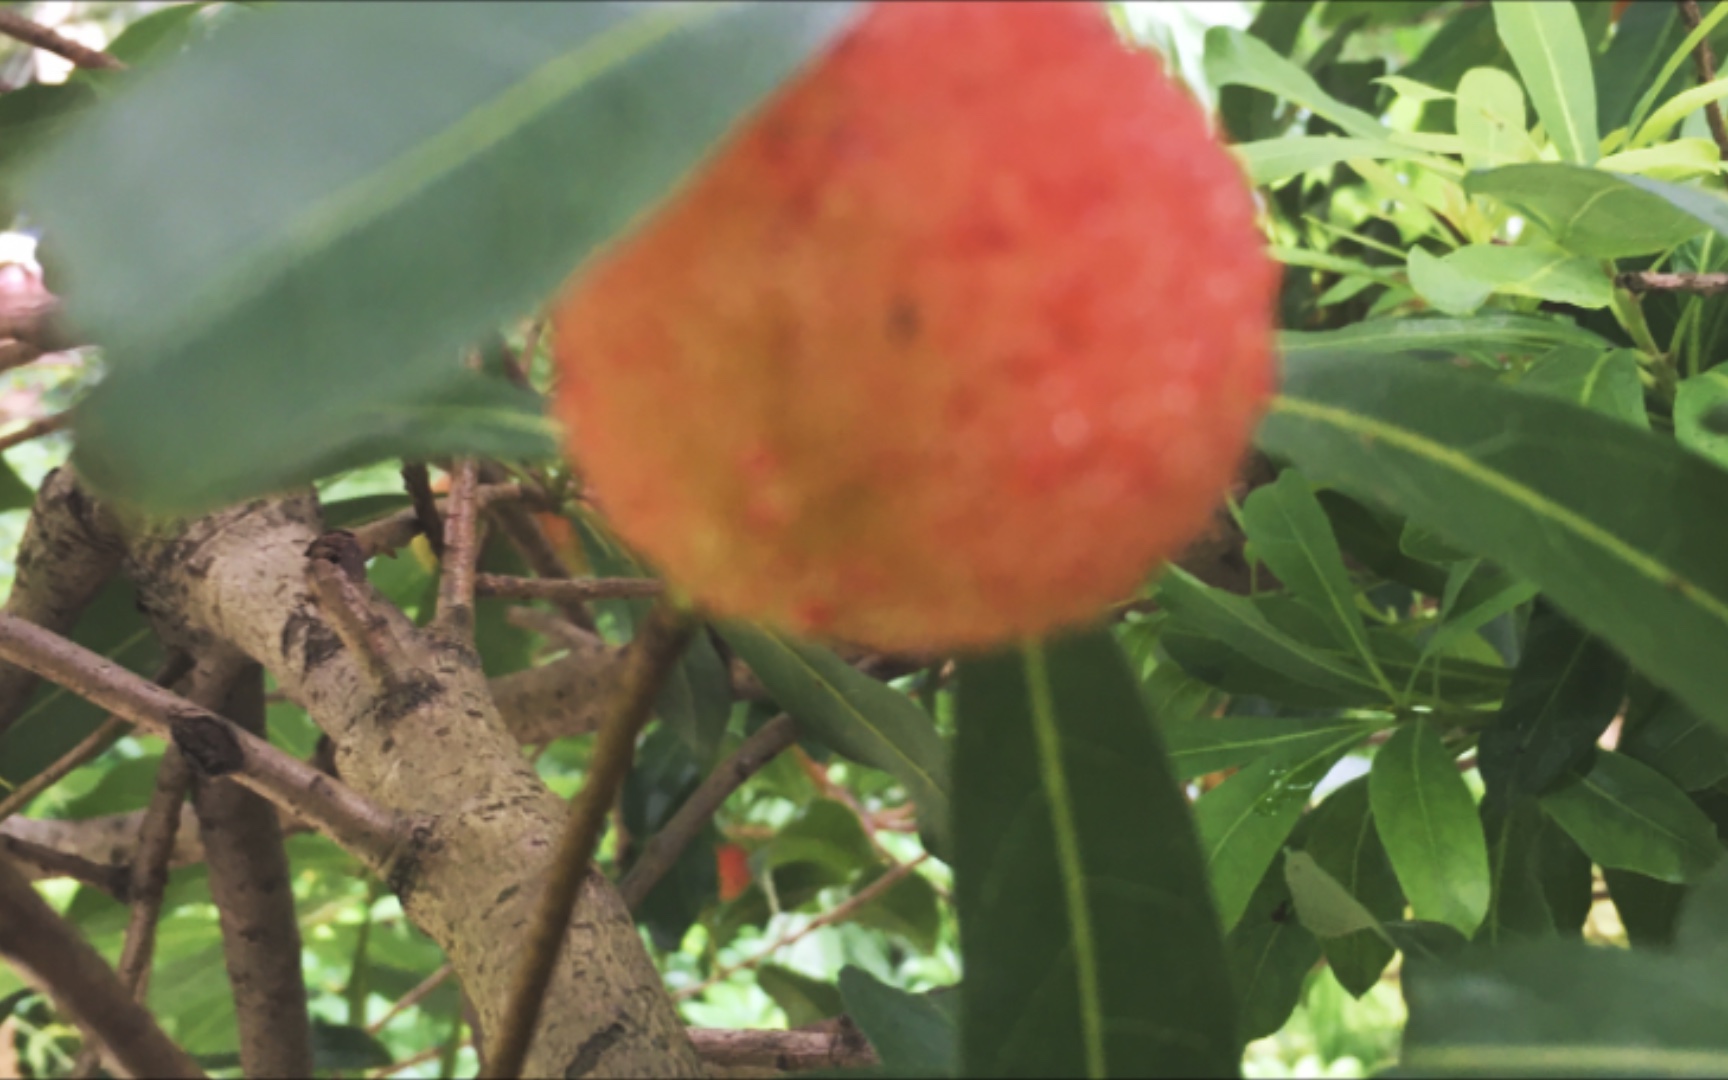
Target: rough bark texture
{"x": 251, "y": 885}
{"x": 69, "y": 551}
{"x": 431, "y": 745}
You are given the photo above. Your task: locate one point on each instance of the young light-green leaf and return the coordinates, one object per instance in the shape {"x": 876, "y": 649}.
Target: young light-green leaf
{"x": 1600, "y": 214}
{"x": 1547, "y": 44}
{"x": 1234, "y": 58}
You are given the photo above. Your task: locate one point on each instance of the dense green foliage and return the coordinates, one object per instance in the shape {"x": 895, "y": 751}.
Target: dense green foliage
{"x": 1457, "y": 753}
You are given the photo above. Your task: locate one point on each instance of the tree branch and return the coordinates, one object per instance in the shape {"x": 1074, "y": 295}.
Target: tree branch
{"x": 249, "y": 884}
{"x": 1705, "y": 60}
{"x": 419, "y": 485}
{"x": 833, "y": 1044}
{"x": 51, "y": 862}
{"x": 70, "y": 549}
{"x": 666, "y": 845}
{"x": 838, "y": 913}
{"x": 16, "y": 26}
{"x": 82, "y": 985}
{"x": 568, "y": 590}
{"x": 214, "y": 746}
{"x": 150, "y": 863}
{"x": 396, "y": 530}
{"x": 660, "y": 642}
{"x": 1705, "y": 284}
{"x": 106, "y": 734}
{"x": 455, "y": 614}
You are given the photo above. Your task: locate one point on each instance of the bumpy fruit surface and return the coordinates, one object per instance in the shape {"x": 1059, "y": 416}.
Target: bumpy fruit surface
{"x": 950, "y": 343}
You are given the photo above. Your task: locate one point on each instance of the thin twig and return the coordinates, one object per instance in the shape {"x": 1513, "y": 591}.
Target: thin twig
{"x": 394, "y": 531}
{"x": 838, "y": 913}
{"x": 662, "y": 850}
{"x": 431, "y": 1053}
{"x": 412, "y": 998}
{"x": 833, "y": 1044}
{"x": 658, "y": 645}
{"x": 56, "y": 863}
{"x": 106, "y": 734}
{"x": 35, "y": 430}
{"x": 1655, "y": 281}
{"x": 455, "y": 615}
{"x": 1705, "y": 60}
{"x": 16, "y": 26}
{"x": 567, "y": 589}
{"x": 214, "y": 746}
{"x": 156, "y": 836}
{"x": 87, "y": 749}
{"x": 41, "y": 943}
{"x": 419, "y": 485}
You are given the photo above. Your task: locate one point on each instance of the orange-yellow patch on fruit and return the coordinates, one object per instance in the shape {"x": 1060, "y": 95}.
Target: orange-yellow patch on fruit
{"x": 948, "y": 344}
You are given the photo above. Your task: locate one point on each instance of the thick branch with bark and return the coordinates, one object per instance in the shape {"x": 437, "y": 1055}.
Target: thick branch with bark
{"x": 434, "y": 748}
{"x": 71, "y": 547}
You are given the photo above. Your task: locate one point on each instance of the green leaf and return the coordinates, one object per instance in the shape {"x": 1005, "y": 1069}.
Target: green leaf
{"x": 346, "y": 1048}
{"x": 1342, "y": 842}
{"x": 1528, "y": 270}
{"x": 1563, "y": 1009}
{"x": 1627, "y": 816}
{"x": 1236, "y": 624}
{"x": 1234, "y": 58}
{"x": 1670, "y": 738}
{"x": 696, "y": 698}
{"x": 909, "y": 909}
{"x": 1077, "y": 873}
{"x": 234, "y": 279}
{"x": 1371, "y": 538}
{"x": 804, "y": 1000}
{"x": 1271, "y": 160}
{"x": 15, "y": 494}
{"x": 1547, "y": 44}
{"x": 856, "y": 715}
{"x": 1490, "y": 118}
{"x": 1245, "y": 820}
{"x": 1601, "y": 214}
{"x": 1682, "y": 159}
{"x": 56, "y": 719}
{"x": 1517, "y": 905}
{"x": 1566, "y": 691}
{"x": 911, "y": 1034}
{"x": 1496, "y": 333}
{"x": 1648, "y": 909}
{"x": 824, "y": 832}
{"x": 1604, "y": 381}
{"x": 1694, "y": 400}
{"x": 1207, "y": 746}
{"x": 1444, "y": 286}
{"x": 1427, "y": 820}
{"x": 1246, "y": 113}
{"x": 1703, "y": 925}
{"x": 1291, "y": 535}
{"x": 1270, "y": 954}
{"x": 1584, "y": 506}
{"x": 1568, "y": 879}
